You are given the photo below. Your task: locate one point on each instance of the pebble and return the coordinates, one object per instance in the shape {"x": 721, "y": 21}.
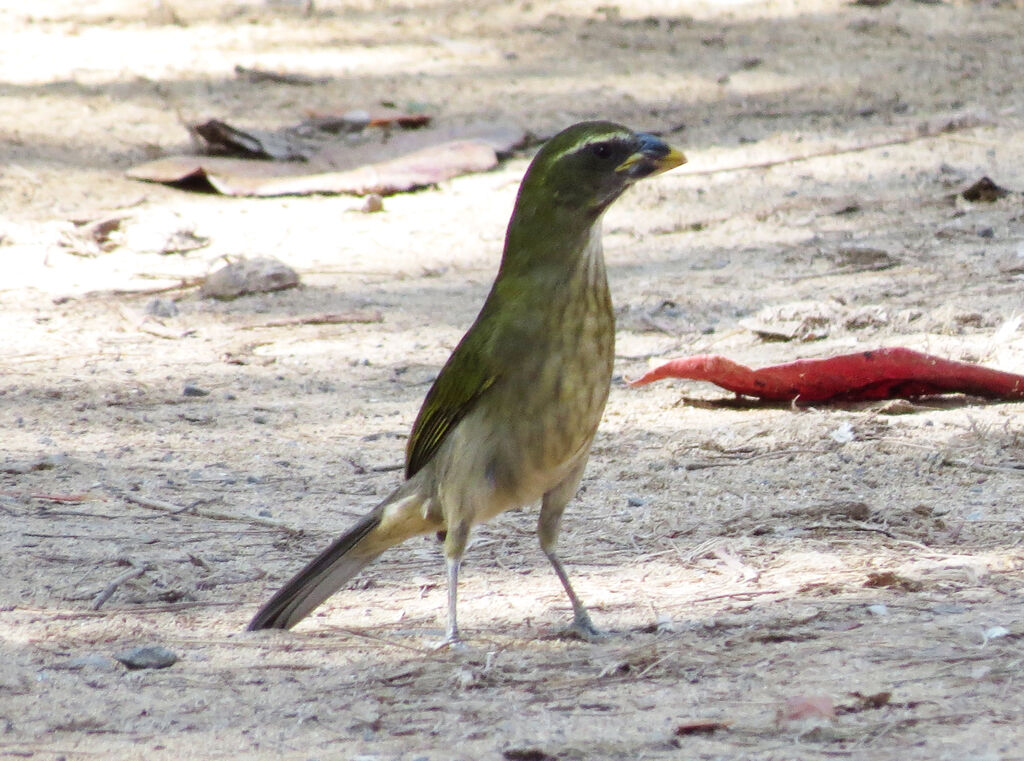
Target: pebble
{"x": 373, "y": 204}
{"x": 193, "y": 390}
{"x": 162, "y": 308}
{"x": 147, "y": 657}
{"x": 249, "y": 276}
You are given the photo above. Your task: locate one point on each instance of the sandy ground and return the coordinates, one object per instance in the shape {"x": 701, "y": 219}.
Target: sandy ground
{"x": 752, "y": 565}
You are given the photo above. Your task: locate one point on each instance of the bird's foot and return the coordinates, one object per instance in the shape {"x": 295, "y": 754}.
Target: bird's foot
{"x": 453, "y": 642}
{"x": 582, "y": 628}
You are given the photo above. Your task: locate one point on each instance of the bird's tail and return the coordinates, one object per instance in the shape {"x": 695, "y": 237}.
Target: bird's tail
{"x": 394, "y": 520}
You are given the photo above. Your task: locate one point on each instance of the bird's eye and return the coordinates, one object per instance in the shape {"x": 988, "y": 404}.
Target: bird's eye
{"x": 601, "y": 150}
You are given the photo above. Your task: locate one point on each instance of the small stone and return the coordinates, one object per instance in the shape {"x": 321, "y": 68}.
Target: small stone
{"x": 636, "y": 501}
{"x": 843, "y": 434}
{"x": 147, "y": 657}
{"x": 665, "y": 624}
{"x": 357, "y": 117}
{"x": 374, "y": 203}
{"x": 897, "y": 407}
{"x": 878, "y": 610}
{"x": 193, "y": 390}
{"x": 162, "y": 308}
{"x": 249, "y": 276}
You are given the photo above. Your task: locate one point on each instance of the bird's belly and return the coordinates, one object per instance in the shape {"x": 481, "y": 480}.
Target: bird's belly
{"x": 489, "y": 473}
{"x": 528, "y": 434}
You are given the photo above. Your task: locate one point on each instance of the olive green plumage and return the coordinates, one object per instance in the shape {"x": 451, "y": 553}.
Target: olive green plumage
{"x": 511, "y": 417}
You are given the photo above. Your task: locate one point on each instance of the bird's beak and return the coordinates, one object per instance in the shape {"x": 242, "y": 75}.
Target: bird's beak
{"x": 654, "y": 156}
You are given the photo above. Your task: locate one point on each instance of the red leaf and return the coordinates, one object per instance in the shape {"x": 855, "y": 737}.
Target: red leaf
{"x": 879, "y": 374}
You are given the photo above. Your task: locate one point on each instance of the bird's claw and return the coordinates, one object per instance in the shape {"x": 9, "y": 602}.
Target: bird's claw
{"x": 452, "y": 642}
{"x": 582, "y": 628}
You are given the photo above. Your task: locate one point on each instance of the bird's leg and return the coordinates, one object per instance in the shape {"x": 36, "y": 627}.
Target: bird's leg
{"x": 582, "y": 626}
{"x": 454, "y": 546}
{"x": 451, "y": 637}
{"x": 551, "y": 509}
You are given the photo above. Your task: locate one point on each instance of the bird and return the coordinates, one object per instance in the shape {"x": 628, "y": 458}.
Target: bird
{"x": 510, "y": 419}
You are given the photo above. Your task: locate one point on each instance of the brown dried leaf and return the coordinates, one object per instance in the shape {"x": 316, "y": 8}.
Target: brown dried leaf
{"x": 527, "y": 754}
{"x": 699, "y": 727}
{"x": 223, "y": 139}
{"x": 869, "y": 702}
{"x": 984, "y": 191}
{"x": 891, "y": 580}
{"x": 240, "y": 177}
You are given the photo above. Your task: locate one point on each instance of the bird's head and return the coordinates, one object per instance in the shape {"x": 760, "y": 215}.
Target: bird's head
{"x": 586, "y": 167}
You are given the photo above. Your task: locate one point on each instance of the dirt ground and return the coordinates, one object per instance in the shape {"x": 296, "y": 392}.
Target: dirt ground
{"x": 776, "y": 583}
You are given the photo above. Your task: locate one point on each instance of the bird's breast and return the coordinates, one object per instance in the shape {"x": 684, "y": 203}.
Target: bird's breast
{"x": 537, "y": 419}
{"x": 556, "y": 390}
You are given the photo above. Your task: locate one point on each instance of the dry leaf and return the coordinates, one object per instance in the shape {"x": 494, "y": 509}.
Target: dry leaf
{"x": 240, "y": 177}
{"x": 699, "y": 727}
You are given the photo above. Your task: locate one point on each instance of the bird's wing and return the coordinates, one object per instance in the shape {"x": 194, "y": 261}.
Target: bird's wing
{"x": 463, "y": 380}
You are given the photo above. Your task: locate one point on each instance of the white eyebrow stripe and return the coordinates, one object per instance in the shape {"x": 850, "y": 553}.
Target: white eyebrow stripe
{"x": 588, "y": 140}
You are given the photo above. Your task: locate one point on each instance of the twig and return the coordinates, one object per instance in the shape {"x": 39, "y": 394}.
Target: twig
{"x": 923, "y": 133}
{"x": 982, "y": 468}
{"x": 977, "y": 141}
{"x": 184, "y": 284}
{"x": 957, "y": 462}
{"x": 278, "y": 77}
{"x": 168, "y": 507}
{"x": 850, "y": 270}
{"x": 79, "y": 514}
{"x": 161, "y": 331}
{"x": 171, "y": 607}
{"x": 108, "y": 591}
{"x": 47, "y": 497}
{"x": 383, "y": 640}
{"x": 849, "y": 527}
{"x": 324, "y": 318}
{"x": 729, "y": 595}
{"x": 152, "y": 504}
{"x": 751, "y": 458}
